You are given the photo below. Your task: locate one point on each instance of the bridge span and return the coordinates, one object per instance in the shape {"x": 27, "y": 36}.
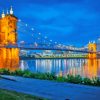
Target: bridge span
{"x": 46, "y": 48}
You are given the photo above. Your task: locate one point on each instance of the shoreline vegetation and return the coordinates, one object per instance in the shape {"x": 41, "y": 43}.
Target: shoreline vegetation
{"x": 12, "y": 95}
{"x": 77, "y": 79}
{"x": 51, "y": 57}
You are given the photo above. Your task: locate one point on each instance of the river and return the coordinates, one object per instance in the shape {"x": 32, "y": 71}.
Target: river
{"x": 62, "y": 67}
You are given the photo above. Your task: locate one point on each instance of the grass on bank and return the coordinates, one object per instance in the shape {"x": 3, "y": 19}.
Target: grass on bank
{"x": 47, "y": 76}
{"x": 11, "y": 95}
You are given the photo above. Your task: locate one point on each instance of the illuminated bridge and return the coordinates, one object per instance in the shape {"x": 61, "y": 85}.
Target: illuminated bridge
{"x": 29, "y": 38}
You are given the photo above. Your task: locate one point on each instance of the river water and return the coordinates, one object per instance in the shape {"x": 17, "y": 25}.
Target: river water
{"x": 61, "y": 67}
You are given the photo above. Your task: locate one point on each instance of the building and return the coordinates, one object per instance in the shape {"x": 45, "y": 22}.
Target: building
{"x": 47, "y": 53}
{"x": 23, "y": 53}
{"x": 9, "y": 56}
{"x": 98, "y": 44}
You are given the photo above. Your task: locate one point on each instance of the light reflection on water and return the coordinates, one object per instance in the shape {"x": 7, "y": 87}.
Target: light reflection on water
{"x": 86, "y": 68}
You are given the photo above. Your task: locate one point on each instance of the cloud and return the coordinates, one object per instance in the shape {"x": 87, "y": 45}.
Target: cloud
{"x": 69, "y": 21}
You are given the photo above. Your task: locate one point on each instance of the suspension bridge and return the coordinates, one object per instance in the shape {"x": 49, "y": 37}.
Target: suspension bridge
{"x": 39, "y": 42}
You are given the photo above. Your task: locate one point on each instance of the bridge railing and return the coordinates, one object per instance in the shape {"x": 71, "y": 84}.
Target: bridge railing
{"x": 50, "y": 46}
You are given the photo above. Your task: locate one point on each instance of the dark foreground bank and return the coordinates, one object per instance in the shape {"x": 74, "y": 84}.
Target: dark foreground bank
{"x": 12, "y": 95}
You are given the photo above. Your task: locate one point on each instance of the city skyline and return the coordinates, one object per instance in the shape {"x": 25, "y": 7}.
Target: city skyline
{"x": 67, "y": 21}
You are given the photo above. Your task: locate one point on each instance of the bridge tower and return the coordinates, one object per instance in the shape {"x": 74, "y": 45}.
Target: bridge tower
{"x": 9, "y": 56}
{"x": 92, "y": 47}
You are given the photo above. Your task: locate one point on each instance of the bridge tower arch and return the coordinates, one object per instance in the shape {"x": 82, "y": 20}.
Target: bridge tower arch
{"x": 93, "y": 48}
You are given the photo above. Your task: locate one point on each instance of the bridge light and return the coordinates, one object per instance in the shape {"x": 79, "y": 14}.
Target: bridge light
{"x": 39, "y": 33}
{"x": 45, "y": 37}
{"x": 32, "y": 29}
{"x": 50, "y": 40}
{"x": 22, "y": 42}
{"x": 19, "y": 20}
{"x": 26, "y": 25}
{"x": 35, "y": 44}
{"x": 60, "y": 44}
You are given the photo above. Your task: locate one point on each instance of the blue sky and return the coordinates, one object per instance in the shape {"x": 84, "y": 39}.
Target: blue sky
{"x": 65, "y": 21}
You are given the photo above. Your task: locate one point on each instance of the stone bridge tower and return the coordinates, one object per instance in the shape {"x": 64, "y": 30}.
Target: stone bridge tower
{"x": 92, "y": 61}
{"x": 92, "y": 47}
{"x": 9, "y": 53}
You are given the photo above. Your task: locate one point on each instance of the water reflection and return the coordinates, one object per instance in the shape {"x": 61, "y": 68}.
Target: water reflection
{"x": 11, "y": 64}
{"x": 86, "y": 68}
{"x": 23, "y": 65}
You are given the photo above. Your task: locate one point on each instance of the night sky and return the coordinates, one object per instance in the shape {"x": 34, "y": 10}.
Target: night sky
{"x": 72, "y": 22}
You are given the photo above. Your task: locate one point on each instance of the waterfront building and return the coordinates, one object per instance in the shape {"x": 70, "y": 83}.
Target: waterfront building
{"x": 23, "y": 53}
{"x": 58, "y": 53}
{"x": 47, "y": 53}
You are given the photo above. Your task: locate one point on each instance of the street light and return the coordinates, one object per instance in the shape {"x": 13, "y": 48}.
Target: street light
{"x": 45, "y": 38}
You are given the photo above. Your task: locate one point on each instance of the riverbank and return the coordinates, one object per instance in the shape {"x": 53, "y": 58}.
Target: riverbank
{"x": 28, "y": 58}
{"x": 50, "y": 89}
{"x": 76, "y": 79}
